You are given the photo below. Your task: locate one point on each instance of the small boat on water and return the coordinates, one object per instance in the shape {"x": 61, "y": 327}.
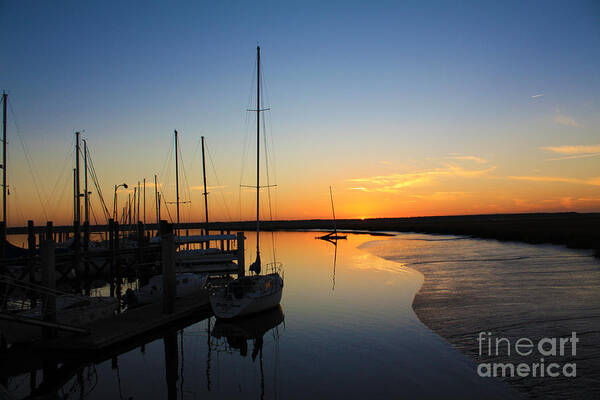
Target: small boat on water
{"x": 250, "y": 294}
{"x": 187, "y": 284}
{"x": 332, "y": 236}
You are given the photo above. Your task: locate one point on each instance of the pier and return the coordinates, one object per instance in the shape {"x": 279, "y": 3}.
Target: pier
{"x": 35, "y": 275}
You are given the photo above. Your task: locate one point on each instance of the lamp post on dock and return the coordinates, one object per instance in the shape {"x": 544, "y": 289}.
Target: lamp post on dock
{"x": 123, "y": 185}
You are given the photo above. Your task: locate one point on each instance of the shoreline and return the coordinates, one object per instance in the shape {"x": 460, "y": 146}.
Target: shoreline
{"x": 515, "y": 299}
{"x": 573, "y": 230}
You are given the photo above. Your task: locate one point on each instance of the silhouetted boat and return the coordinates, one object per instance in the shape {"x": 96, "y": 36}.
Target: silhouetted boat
{"x": 332, "y": 235}
{"x": 187, "y": 284}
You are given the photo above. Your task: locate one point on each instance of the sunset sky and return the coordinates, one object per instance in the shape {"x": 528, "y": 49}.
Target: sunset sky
{"x": 404, "y": 108}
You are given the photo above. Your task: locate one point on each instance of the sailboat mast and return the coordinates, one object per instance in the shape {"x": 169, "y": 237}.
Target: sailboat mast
{"x": 77, "y": 187}
{"x": 144, "y": 201}
{"x": 205, "y": 192}
{"x": 177, "y": 180}
{"x": 257, "y": 150}
{"x": 85, "y": 183}
{"x": 4, "y": 101}
{"x": 156, "y": 205}
{"x": 332, "y": 210}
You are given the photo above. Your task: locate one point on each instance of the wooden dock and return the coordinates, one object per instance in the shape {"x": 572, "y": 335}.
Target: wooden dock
{"x": 131, "y": 324}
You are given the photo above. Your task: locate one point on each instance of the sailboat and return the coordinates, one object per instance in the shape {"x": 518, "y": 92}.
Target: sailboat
{"x": 331, "y": 236}
{"x": 255, "y": 293}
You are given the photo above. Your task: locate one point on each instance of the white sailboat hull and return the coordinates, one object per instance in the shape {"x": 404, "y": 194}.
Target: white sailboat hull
{"x": 226, "y": 305}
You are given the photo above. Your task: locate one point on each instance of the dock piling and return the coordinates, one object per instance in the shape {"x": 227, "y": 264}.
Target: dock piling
{"x": 240, "y": 254}
{"x": 30, "y": 250}
{"x": 168, "y": 267}
{"x": 49, "y": 281}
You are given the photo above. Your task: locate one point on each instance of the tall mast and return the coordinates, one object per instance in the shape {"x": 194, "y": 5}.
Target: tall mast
{"x": 332, "y": 210}
{"x": 137, "y": 214}
{"x": 4, "y": 101}
{"x": 85, "y": 184}
{"x": 257, "y": 153}
{"x": 177, "y": 181}
{"x": 77, "y": 187}
{"x": 74, "y": 198}
{"x": 144, "y": 201}
{"x": 156, "y": 205}
{"x": 205, "y": 192}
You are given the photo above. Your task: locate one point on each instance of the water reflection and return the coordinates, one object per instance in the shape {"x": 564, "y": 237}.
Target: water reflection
{"x": 237, "y": 333}
{"x": 334, "y": 242}
{"x": 349, "y": 329}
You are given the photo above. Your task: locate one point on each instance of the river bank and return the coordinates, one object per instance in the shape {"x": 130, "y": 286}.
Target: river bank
{"x": 574, "y": 230}
{"x": 512, "y": 291}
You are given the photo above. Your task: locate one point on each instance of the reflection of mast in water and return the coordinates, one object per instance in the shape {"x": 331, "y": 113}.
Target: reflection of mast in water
{"x": 238, "y": 332}
{"x": 333, "y": 241}
{"x": 334, "y": 263}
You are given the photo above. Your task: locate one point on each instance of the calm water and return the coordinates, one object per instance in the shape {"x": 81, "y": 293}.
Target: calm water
{"x": 346, "y": 329}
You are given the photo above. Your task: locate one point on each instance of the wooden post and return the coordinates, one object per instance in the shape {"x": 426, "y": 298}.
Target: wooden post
{"x": 168, "y": 267}
{"x": 111, "y": 246}
{"x": 240, "y": 254}
{"x": 140, "y": 238}
{"x": 49, "y": 235}
{"x": 30, "y": 250}
{"x": 2, "y": 239}
{"x": 228, "y": 241}
{"x": 77, "y": 246}
{"x": 86, "y": 246}
{"x": 49, "y": 281}
{"x": 222, "y": 241}
{"x": 116, "y": 263}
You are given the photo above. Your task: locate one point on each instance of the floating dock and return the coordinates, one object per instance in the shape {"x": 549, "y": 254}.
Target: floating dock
{"x": 131, "y": 324}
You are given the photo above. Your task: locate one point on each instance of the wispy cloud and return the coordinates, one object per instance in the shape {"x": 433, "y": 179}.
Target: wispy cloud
{"x": 578, "y": 149}
{"x": 394, "y": 183}
{"x": 442, "y": 196}
{"x": 207, "y": 188}
{"x": 562, "y": 119}
{"x": 576, "y": 181}
{"x": 570, "y": 152}
{"x": 535, "y": 96}
{"x": 576, "y": 156}
{"x": 479, "y": 160}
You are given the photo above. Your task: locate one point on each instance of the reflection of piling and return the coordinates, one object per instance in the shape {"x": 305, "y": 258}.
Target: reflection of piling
{"x": 240, "y": 254}
{"x": 171, "y": 364}
{"x": 49, "y": 281}
{"x": 168, "y": 266}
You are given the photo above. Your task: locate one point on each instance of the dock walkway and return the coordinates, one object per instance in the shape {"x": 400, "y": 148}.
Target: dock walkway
{"x": 130, "y": 324}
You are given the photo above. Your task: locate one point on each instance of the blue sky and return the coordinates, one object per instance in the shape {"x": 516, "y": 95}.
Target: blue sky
{"x": 346, "y": 81}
